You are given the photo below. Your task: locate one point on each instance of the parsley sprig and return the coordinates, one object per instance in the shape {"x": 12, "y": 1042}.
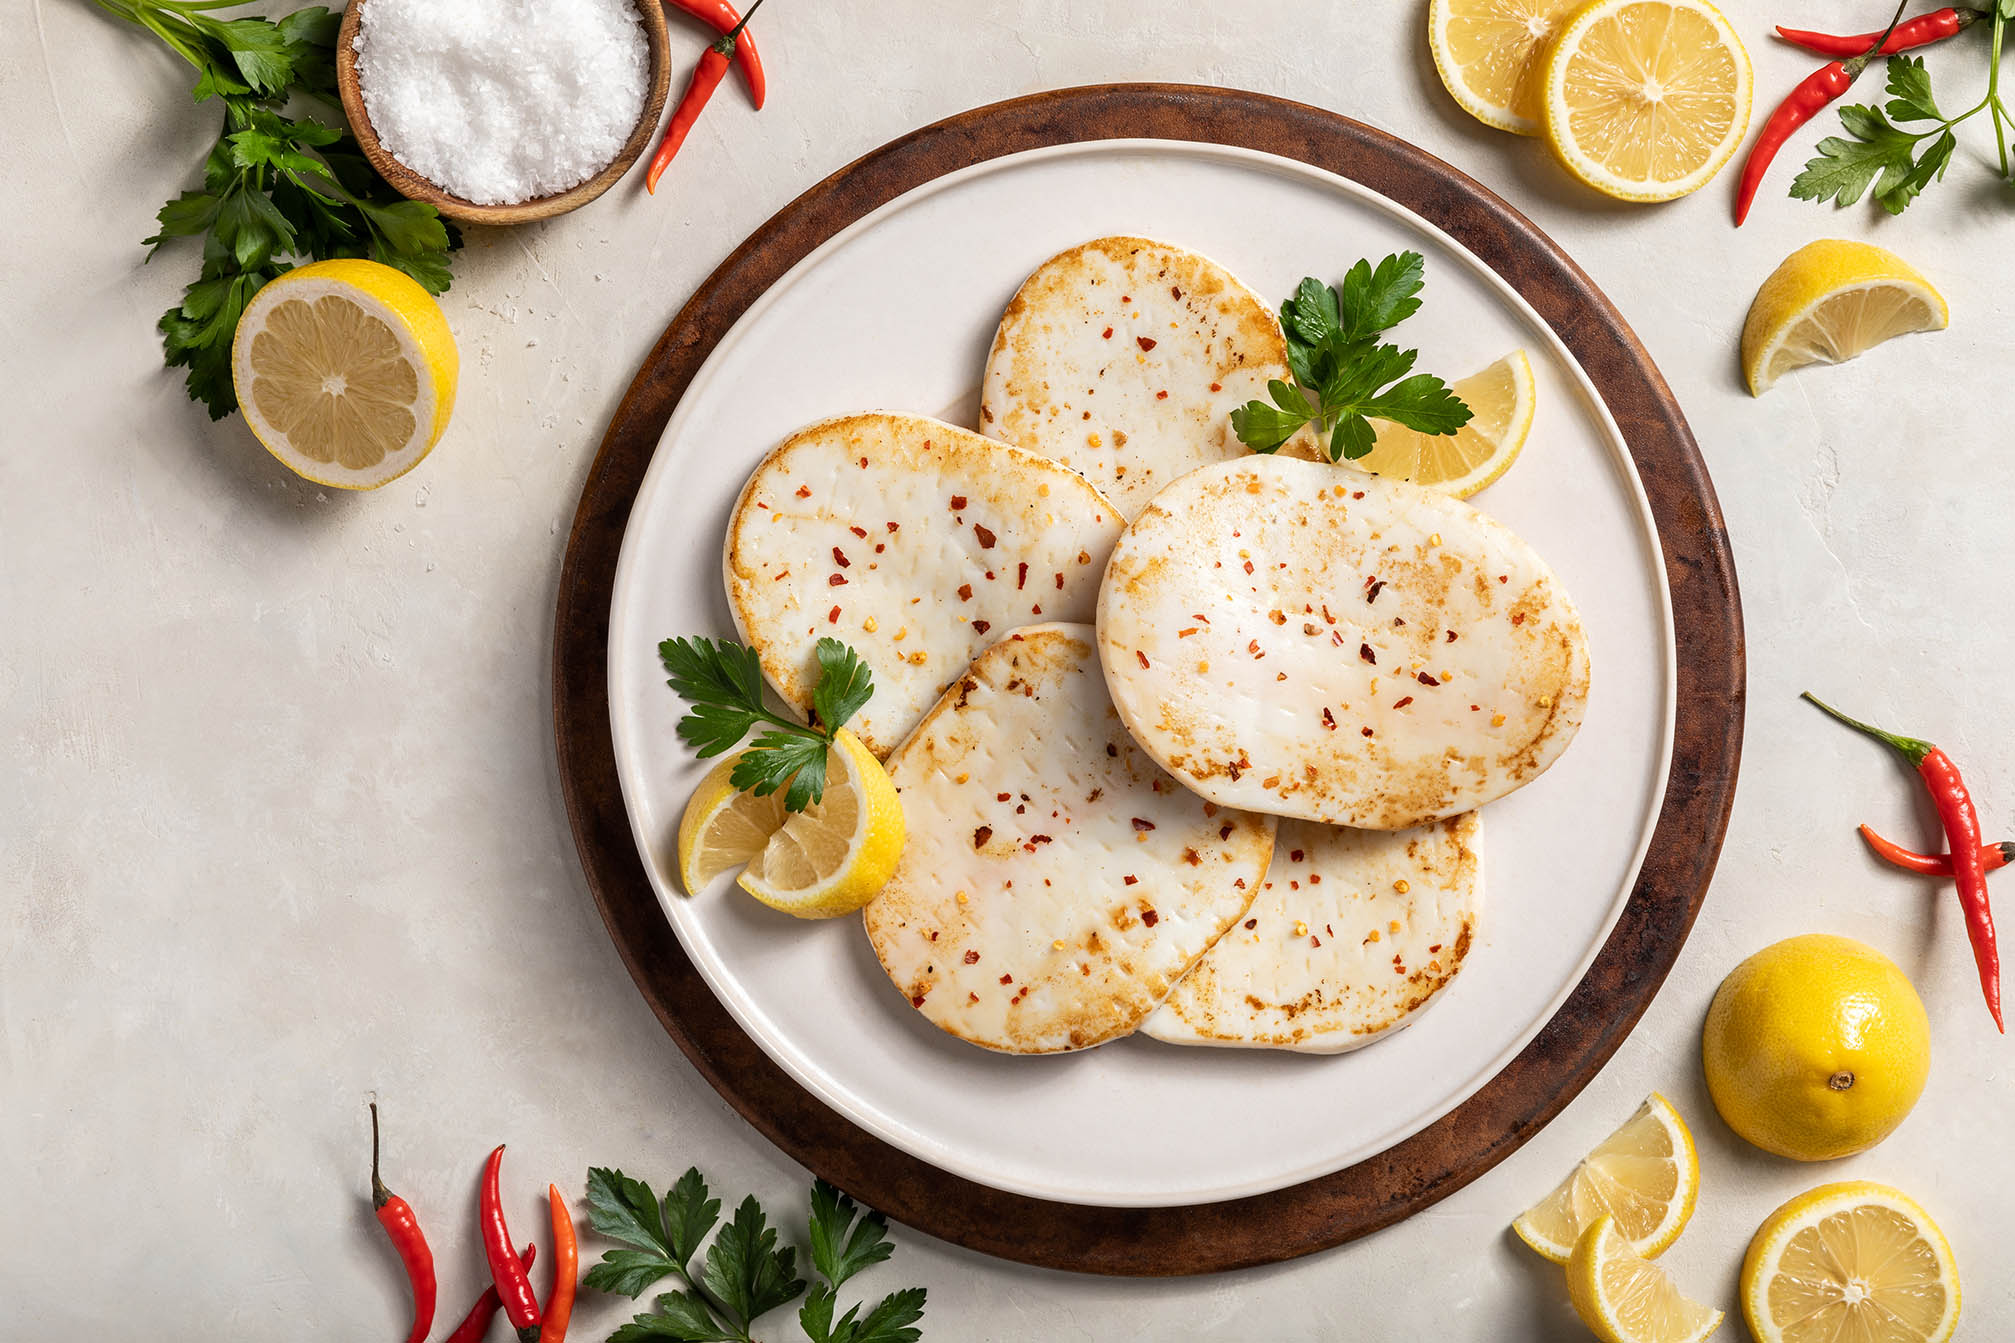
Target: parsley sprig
{"x": 1344, "y": 376}
{"x": 745, "y": 1273}
{"x": 723, "y": 681}
{"x": 274, "y": 186}
{"x": 1884, "y": 156}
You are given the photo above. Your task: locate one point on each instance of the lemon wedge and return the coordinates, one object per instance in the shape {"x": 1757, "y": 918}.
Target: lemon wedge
{"x": 832, "y": 857}
{"x": 1489, "y": 53}
{"x": 724, "y": 827}
{"x": 1828, "y": 302}
{"x": 346, "y": 371}
{"x": 1500, "y": 399}
{"x": 1645, "y": 100}
{"x": 1626, "y": 1299}
{"x": 1854, "y": 1260}
{"x": 1645, "y": 1176}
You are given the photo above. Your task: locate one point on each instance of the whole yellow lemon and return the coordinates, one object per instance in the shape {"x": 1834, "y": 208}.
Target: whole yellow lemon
{"x": 1816, "y": 1047}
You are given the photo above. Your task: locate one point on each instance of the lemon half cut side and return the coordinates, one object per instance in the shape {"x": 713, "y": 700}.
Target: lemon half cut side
{"x": 1854, "y": 1261}
{"x": 1645, "y": 1176}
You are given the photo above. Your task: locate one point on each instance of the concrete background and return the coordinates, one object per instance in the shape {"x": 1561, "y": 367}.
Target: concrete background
{"x": 282, "y": 830}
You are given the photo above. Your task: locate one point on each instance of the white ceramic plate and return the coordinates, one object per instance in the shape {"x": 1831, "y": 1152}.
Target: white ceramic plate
{"x": 897, "y": 312}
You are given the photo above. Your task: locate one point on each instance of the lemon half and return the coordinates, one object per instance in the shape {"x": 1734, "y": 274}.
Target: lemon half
{"x": 1501, "y": 401}
{"x": 1850, "y": 1261}
{"x": 1623, "y": 1298}
{"x": 1645, "y": 1176}
{"x": 346, "y": 371}
{"x": 1489, "y": 54}
{"x": 1828, "y": 302}
{"x": 1645, "y": 100}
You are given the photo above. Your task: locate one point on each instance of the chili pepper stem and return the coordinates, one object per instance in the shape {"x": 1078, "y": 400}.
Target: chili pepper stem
{"x": 726, "y": 43}
{"x": 380, "y": 1195}
{"x": 1910, "y": 748}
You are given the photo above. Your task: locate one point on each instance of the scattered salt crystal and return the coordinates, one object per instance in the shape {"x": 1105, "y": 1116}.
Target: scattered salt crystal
{"x": 501, "y": 101}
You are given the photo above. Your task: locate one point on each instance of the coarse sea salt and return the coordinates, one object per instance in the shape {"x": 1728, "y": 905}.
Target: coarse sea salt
{"x": 502, "y": 101}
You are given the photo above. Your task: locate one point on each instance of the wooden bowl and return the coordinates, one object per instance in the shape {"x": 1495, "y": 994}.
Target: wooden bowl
{"x": 415, "y": 187}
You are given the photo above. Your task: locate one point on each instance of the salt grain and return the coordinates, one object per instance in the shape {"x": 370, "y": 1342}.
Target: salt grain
{"x": 501, "y": 101}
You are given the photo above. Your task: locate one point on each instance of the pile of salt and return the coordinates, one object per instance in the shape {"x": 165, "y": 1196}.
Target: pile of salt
{"x": 502, "y": 101}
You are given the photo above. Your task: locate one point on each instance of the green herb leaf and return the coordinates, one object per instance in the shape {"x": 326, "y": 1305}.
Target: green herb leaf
{"x": 845, "y": 684}
{"x": 778, "y": 758}
{"x": 1895, "y": 196}
{"x": 626, "y": 1210}
{"x": 745, "y": 1269}
{"x": 1372, "y": 301}
{"x": 677, "y": 1315}
{"x": 1909, "y": 86}
{"x": 815, "y": 1317}
{"x": 891, "y": 1321}
{"x": 628, "y": 1272}
{"x": 1843, "y": 170}
{"x": 1263, "y": 427}
{"x": 842, "y": 1246}
{"x": 690, "y": 1215}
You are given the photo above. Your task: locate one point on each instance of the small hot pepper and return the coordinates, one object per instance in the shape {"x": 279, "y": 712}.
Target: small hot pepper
{"x": 507, "y": 1271}
{"x": 706, "y": 78}
{"x": 1921, "y": 31}
{"x": 476, "y": 1324}
{"x": 1962, "y": 835}
{"x": 396, "y": 1216}
{"x": 1812, "y": 96}
{"x": 566, "y": 1265}
{"x": 1992, "y": 856}
{"x": 722, "y": 16}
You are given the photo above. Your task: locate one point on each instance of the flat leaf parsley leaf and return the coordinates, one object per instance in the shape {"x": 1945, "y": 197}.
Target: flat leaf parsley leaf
{"x": 1344, "y": 377}
{"x": 723, "y": 681}
{"x": 1886, "y": 160}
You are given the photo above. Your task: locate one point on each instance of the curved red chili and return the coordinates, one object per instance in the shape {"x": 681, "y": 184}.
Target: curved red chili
{"x": 1812, "y": 96}
{"x": 566, "y": 1269}
{"x": 706, "y": 78}
{"x": 507, "y": 1271}
{"x": 722, "y": 17}
{"x": 1921, "y": 31}
{"x": 476, "y": 1323}
{"x": 403, "y": 1228}
{"x": 1962, "y": 834}
{"x": 1992, "y": 856}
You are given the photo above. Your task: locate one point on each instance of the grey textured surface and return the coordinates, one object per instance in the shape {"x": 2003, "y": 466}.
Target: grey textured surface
{"x": 283, "y": 830}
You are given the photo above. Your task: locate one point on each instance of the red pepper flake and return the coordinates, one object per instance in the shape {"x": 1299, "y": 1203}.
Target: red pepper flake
{"x": 982, "y": 835}
{"x": 1036, "y": 609}
{"x": 1143, "y": 664}
{"x": 982, "y": 626}
{"x": 1518, "y": 617}
{"x": 1294, "y": 855}
{"x": 880, "y": 547}
{"x": 1131, "y": 880}
{"x": 781, "y": 575}
{"x": 972, "y": 997}
{"x": 1398, "y": 622}
{"x": 1328, "y": 719}
{"x": 1108, "y": 333}
{"x": 1007, "y": 979}
{"x": 892, "y": 527}
{"x": 986, "y": 539}
{"x": 965, "y": 592}
{"x": 1234, "y": 769}
{"x": 1192, "y": 857}
{"x": 1504, "y": 578}
{"x": 934, "y": 935}
{"x": 958, "y": 503}
{"x": 840, "y": 558}
{"x": 1436, "y": 947}
{"x": 804, "y": 491}
{"x": 1217, "y": 387}
{"x": 836, "y": 580}
{"x": 1371, "y": 591}
{"x": 1224, "y": 831}
{"x": 1175, "y": 292}
{"x": 1021, "y": 576}
{"x": 1149, "y": 917}
{"x": 1251, "y": 924}
{"x": 972, "y": 958}
{"x": 1146, "y": 343}
{"x": 1451, "y": 636}
{"x": 1248, "y": 566}
{"x": 861, "y": 532}
{"x": 833, "y": 616}
{"x": 1364, "y": 651}
{"x": 1161, "y": 395}
{"x": 1142, "y": 824}
{"x": 1126, "y": 298}
{"x": 1314, "y": 941}
{"x": 1357, "y": 494}
{"x": 1112, "y": 750}
{"x": 1185, "y": 632}
{"x": 916, "y": 1000}
{"x": 1402, "y": 701}
{"x": 1425, "y": 679}
{"x": 1336, "y": 637}
{"x": 1252, "y": 647}
{"x": 1034, "y": 840}
{"x": 1367, "y": 731}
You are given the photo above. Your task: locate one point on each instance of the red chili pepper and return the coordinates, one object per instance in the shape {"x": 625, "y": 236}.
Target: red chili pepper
{"x": 1962, "y": 835}
{"x": 707, "y": 77}
{"x": 507, "y": 1271}
{"x": 476, "y": 1323}
{"x": 1813, "y": 95}
{"x": 1992, "y": 856}
{"x": 396, "y": 1216}
{"x": 723, "y": 19}
{"x": 1921, "y": 31}
{"x": 566, "y": 1265}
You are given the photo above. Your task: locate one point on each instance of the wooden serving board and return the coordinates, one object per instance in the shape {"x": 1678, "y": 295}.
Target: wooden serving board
{"x": 1527, "y": 1093}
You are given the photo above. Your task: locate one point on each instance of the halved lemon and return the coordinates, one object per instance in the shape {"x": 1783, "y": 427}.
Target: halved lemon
{"x": 1645, "y": 100}
{"x": 832, "y": 857}
{"x": 1500, "y": 399}
{"x": 724, "y": 827}
{"x": 1850, "y": 1261}
{"x": 1489, "y": 54}
{"x": 1645, "y": 1176}
{"x": 1623, "y": 1298}
{"x": 346, "y": 371}
{"x": 1828, "y": 302}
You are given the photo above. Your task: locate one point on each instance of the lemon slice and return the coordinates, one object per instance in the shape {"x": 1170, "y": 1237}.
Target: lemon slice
{"x": 724, "y": 827}
{"x": 1645, "y": 1175}
{"x": 1500, "y": 399}
{"x": 1625, "y": 1299}
{"x": 1489, "y": 54}
{"x": 1850, "y": 1261}
{"x": 346, "y": 371}
{"x": 1829, "y": 301}
{"x": 832, "y": 857}
{"x": 1645, "y": 100}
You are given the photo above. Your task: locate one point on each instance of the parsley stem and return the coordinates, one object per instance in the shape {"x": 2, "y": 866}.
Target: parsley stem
{"x": 1994, "y": 90}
